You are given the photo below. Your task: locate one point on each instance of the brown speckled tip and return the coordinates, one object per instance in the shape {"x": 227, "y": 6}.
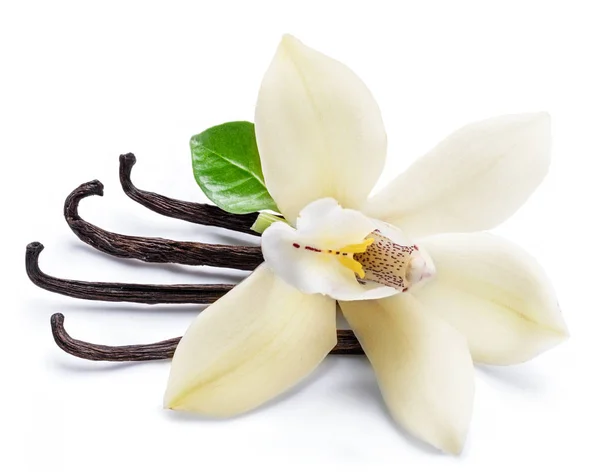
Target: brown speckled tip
{"x": 385, "y": 262}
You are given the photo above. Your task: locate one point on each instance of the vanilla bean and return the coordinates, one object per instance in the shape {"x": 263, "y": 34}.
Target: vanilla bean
{"x": 347, "y": 345}
{"x": 196, "y": 213}
{"x": 86, "y": 350}
{"x": 154, "y": 249}
{"x": 119, "y": 292}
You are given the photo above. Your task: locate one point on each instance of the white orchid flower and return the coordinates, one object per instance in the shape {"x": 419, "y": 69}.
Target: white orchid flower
{"x": 423, "y": 310}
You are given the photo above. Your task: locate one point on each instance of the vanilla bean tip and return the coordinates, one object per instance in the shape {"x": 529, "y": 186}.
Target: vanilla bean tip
{"x": 127, "y": 160}
{"x": 91, "y": 188}
{"x": 32, "y": 268}
{"x": 65, "y": 342}
{"x": 61, "y": 338}
{"x": 34, "y": 248}
{"x": 57, "y": 323}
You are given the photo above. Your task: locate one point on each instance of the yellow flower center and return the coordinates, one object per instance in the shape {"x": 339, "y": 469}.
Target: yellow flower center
{"x": 346, "y": 256}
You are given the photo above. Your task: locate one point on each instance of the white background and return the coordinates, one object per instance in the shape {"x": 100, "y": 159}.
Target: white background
{"x": 82, "y": 82}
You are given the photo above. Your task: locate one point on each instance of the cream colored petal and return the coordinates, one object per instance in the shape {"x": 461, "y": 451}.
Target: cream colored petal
{"x": 257, "y": 341}
{"x": 319, "y": 130}
{"x": 423, "y": 367}
{"x": 326, "y": 224}
{"x": 495, "y": 294}
{"x": 473, "y": 180}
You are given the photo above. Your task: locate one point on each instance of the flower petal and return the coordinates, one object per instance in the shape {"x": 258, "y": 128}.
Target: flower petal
{"x": 301, "y": 257}
{"x": 257, "y": 341}
{"x": 326, "y": 223}
{"x": 423, "y": 367}
{"x": 473, "y": 180}
{"x": 319, "y": 130}
{"x": 495, "y": 294}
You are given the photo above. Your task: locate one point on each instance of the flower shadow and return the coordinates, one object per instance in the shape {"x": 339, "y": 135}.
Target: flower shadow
{"x": 86, "y": 366}
{"x": 517, "y": 376}
{"x": 363, "y": 388}
{"x": 118, "y": 309}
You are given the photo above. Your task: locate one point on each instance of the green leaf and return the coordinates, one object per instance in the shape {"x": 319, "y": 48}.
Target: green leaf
{"x": 227, "y": 167}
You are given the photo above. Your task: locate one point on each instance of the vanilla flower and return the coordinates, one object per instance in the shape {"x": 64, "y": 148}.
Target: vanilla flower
{"x": 424, "y": 292}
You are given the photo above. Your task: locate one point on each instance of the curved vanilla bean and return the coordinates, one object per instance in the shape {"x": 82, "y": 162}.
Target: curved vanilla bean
{"x": 119, "y": 292}
{"x": 347, "y": 345}
{"x": 155, "y": 249}
{"x": 86, "y": 350}
{"x": 196, "y": 213}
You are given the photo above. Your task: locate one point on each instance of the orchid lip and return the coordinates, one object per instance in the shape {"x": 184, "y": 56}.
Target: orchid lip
{"x": 344, "y": 254}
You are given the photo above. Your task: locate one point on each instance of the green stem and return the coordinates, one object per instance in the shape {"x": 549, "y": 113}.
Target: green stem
{"x": 264, "y": 220}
